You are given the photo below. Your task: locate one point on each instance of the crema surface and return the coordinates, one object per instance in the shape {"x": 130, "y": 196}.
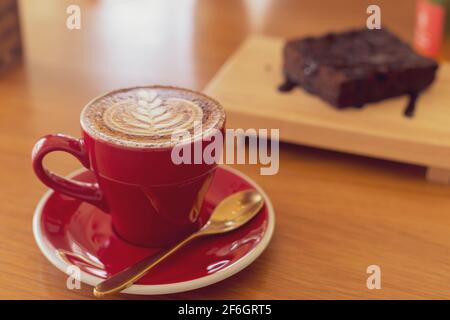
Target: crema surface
{"x": 150, "y": 116}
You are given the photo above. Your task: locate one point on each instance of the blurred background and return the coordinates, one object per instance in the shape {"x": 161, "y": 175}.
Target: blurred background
{"x": 146, "y": 41}
{"x": 134, "y": 42}
{"x": 179, "y": 42}
{"x": 126, "y": 43}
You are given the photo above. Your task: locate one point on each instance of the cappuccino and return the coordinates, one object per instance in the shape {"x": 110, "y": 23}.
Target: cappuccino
{"x": 147, "y": 117}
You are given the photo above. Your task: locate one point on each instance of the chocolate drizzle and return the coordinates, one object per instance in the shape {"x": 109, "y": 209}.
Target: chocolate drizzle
{"x": 287, "y": 86}
{"x": 411, "y": 106}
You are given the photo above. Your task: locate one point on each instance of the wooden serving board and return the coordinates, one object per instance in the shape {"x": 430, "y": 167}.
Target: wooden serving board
{"x": 247, "y": 87}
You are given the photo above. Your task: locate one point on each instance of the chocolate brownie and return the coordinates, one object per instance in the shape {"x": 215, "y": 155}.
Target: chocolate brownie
{"x": 356, "y": 67}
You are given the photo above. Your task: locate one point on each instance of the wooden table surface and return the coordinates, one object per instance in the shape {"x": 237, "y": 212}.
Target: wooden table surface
{"x": 336, "y": 214}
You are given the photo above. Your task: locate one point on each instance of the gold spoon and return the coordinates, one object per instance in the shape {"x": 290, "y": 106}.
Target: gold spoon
{"x": 231, "y": 213}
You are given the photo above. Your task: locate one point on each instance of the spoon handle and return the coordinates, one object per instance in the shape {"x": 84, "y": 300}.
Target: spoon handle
{"x": 130, "y": 275}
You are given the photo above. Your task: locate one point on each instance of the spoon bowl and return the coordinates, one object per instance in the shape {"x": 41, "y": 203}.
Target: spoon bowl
{"x": 232, "y": 213}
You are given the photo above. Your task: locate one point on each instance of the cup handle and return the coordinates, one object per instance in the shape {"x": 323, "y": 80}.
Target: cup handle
{"x": 89, "y": 192}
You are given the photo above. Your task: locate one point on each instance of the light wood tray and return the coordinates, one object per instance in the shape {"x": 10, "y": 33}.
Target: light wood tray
{"x": 247, "y": 87}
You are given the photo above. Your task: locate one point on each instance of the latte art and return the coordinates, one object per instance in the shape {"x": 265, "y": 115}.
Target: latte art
{"x": 149, "y": 116}
{"x": 153, "y": 116}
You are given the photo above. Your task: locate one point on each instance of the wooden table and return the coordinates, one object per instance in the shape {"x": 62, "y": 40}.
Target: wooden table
{"x": 336, "y": 214}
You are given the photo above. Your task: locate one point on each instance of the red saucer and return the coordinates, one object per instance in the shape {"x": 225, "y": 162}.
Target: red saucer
{"x": 71, "y": 232}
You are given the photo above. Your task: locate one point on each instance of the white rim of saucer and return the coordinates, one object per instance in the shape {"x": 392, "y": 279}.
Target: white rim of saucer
{"x": 141, "y": 289}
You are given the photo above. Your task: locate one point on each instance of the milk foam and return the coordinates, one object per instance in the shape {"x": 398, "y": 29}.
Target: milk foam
{"x": 148, "y": 116}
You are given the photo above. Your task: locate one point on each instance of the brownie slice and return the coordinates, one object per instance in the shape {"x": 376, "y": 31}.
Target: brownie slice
{"x": 356, "y": 67}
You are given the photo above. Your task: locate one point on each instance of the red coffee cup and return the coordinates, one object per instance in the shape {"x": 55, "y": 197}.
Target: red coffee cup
{"x": 153, "y": 202}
